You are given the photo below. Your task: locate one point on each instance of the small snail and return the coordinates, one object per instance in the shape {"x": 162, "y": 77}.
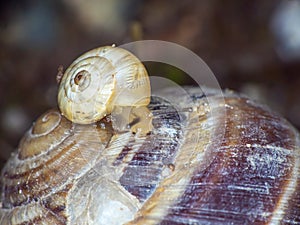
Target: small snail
{"x": 184, "y": 172}
{"x": 102, "y": 81}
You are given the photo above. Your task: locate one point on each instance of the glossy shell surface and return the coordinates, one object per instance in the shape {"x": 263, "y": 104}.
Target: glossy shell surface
{"x": 241, "y": 167}
{"x": 98, "y": 81}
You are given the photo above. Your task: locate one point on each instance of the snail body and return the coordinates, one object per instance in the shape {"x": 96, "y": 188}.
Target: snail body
{"x": 185, "y": 172}
{"x": 100, "y": 81}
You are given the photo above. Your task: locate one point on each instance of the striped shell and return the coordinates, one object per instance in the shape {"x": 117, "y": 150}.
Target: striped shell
{"x": 98, "y": 81}
{"x": 187, "y": 171}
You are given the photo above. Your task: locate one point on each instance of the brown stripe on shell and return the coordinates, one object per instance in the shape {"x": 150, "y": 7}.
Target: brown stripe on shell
{"x": 244, "y": 182}
{"x": 75, "y": 155}
{"x": 142, "y": 175}
{"x": 33, "y": 213}
{"x": 44, "y": 178}
{"x": 49, "y": 130}
{"x": 56, "y": 202}
{"x": 245, "y": 177}
{"x": 171, "y": 186}
{"x": 121, "y": 156}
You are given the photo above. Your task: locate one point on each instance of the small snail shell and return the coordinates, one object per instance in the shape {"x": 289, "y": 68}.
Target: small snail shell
{"x": 184, "y": 172}
{"x": 100, "y": 80}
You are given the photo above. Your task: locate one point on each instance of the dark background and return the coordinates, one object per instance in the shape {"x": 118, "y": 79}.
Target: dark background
{"x": 251, "y": 46}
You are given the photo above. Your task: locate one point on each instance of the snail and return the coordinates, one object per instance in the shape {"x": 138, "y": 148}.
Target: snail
{"x": 184, "y": 172}
{"x": 103, "y": 81}
{"x": 238, "y": 165}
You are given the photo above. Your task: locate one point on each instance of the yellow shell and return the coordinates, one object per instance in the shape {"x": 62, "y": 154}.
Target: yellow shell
{"x": 98, "y": 81}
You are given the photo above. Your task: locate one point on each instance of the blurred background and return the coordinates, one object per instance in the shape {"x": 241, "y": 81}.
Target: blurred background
{"x": 251, "y": 46}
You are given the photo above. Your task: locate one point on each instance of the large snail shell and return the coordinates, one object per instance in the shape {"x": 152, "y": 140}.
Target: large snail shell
{"x": 185, "y": 172}
{"x": 98, "y": 81}
{"x": 51, "y": 155}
